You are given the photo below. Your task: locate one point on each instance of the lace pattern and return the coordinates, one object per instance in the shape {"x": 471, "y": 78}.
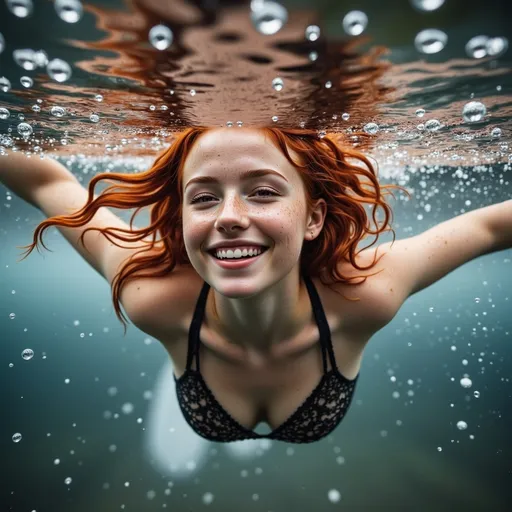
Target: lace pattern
{"x": 314, "y": 419}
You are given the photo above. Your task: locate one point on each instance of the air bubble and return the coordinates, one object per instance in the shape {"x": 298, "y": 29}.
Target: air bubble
{"x": 161, "y": 37}
{"x": 4, "y": 113}
{"x": 25, "y": 58}
{"x": 69, "y": 11}
{"x": 27, "y": 354}
{"x": 430, "y": 41}
{"x": 5, "y": 84}
{"x": 58, "y": 111}
{"x": 277, "y": 84}
{"x": 427, "y": 5}
{"x": 26, "y": 81}
{"x": 20, "y": 8}
{"x": 476, "y": 47}
{"x": 432, "y": 125}
{"x": 497, "y": 46}
{"x": 268, "y": 18}
{"x": 312, "y": 32}
{"x": 355, "y": 23}
{"x": 465, "y": 382}
{"x": 371, "y": 128}
{"x": 24, "y": 129}
{"x": 473, "y": 111}
{"x": 58, "y": 70}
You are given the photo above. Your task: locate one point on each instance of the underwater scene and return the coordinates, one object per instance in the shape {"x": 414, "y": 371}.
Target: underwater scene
{"x": 90, "y": 419}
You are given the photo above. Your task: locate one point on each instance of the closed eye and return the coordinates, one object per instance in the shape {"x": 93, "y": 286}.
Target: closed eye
{"x": 198, "y": 198}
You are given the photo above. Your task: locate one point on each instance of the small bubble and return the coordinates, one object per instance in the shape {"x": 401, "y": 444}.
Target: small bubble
{"x": 268, "y": 18}
{"x": 208, "y": 498}
{"x": 355, "y": 23}
{"x": 69, "y": 11}
{"x": 24, "y": 129}
{"x": 473, "y": 111}
{"x": 432, "y": 125}
{"x": 26, "y": 81}
{"x": 20, "y": 8}
{"x": 430, "y": 41}
{"x": 427, "y": 5}
{"x": 27, "y": 354}
{"x": 312, "y": 32}
{"x": 277, "y": 84}
{"x": 465, "y": 382}
{"x": 476, "y": 47}
{"x": 497, "y": 46}
{"x": 17, "y": 437}
{"x": 161, "y": 37}
{"x": 58, "y": 70}
{"x": 94, "y": 118}
{"x": 334, "y": 496}
{"x": 58, "y": 111}
{"x": 371, "y": 128}
{"x": 5, "y": 84}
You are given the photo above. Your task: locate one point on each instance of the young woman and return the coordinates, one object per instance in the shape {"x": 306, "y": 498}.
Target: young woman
{"x": 249, "y": 272}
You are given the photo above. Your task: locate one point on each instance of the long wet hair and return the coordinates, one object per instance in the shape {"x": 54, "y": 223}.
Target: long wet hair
{"x": 328, "y": 169}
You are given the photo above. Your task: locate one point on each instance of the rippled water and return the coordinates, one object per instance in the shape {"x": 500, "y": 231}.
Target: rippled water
{"x": 126, "y": 77}
{"x": 89, "y": 419}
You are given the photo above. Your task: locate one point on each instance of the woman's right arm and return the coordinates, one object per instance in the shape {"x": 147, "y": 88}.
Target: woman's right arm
{"x": 24, "y": 175}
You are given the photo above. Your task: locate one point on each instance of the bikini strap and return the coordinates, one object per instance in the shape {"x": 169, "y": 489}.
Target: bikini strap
{"x": 321, "y": 321}
{"x": 195, "y": 327}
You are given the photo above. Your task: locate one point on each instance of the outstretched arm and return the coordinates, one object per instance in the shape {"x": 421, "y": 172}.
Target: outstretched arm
{"x": 415, "y": 263}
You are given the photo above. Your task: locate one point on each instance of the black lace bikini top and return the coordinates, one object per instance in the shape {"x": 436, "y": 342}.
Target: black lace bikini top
{"x": 314, "y": 419}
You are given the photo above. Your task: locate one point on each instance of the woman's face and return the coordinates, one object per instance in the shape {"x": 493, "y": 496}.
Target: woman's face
{"x": 268, "y": 210}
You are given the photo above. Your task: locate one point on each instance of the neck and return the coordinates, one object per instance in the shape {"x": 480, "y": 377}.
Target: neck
{"x": 258, "y": 324}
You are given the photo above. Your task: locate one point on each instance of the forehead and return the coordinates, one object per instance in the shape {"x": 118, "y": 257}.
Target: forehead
{"x": 230, "y": 148}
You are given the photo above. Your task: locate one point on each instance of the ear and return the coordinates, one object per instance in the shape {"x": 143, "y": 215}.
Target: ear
{"x": 316, "y": 217}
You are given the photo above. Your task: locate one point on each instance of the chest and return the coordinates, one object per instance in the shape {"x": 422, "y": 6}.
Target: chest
{"x": 269, "y": 391}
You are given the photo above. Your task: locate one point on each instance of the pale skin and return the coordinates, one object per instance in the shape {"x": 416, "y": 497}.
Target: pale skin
{"x": 266, "y": 303}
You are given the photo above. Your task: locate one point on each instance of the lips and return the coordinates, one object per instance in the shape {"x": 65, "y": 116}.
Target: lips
{"x": 237, "y": 263}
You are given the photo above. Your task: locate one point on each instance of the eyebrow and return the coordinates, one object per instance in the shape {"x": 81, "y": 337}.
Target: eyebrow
{"x": 253, "y": 173}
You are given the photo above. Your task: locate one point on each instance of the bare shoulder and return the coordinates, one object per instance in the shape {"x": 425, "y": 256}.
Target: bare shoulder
{"x": 376, "y": 301}
{"x": 163, "y": 307}
{"x": 160, "y": 306}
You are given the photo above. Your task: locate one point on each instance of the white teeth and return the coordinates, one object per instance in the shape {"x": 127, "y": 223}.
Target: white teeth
{"x": 237, "y": 253}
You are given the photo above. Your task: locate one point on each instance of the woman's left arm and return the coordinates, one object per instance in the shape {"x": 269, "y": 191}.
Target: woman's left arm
{"x": 414, "y": 263}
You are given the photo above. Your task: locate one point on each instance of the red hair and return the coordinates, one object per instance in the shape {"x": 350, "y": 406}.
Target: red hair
{"x": 329, "y": 170}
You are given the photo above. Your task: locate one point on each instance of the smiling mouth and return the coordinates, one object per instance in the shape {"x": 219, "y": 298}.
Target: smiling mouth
{"x": 213, "y": 253}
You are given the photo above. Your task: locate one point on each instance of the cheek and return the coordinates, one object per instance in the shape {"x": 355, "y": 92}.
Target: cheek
{"x": 194, "y": 232}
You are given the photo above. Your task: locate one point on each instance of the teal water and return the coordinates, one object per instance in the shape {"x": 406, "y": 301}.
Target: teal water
{"x": 100, "y": 409}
